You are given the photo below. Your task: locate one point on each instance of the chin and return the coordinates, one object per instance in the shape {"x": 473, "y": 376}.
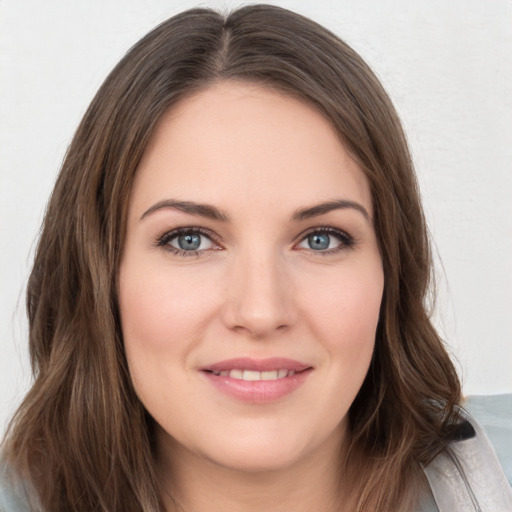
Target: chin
{"x": 257, "y": 459}
{"x": 260, "y": 451}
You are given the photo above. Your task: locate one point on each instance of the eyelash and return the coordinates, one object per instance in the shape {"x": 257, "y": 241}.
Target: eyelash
{"x": 163, "y": 240}
{"x": 346, "y": 241}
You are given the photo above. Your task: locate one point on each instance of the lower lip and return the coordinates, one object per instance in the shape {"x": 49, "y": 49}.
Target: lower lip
{"x": 259, "y": 391}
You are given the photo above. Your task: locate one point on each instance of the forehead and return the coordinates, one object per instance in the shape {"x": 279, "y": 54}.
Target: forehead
{"x": 247, "y": 145}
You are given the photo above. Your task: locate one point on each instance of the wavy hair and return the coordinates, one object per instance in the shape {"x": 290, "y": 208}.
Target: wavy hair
{"x": 81, "y": 437}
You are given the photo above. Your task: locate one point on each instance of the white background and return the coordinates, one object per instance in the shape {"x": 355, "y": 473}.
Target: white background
{"x": 446, "y": 65}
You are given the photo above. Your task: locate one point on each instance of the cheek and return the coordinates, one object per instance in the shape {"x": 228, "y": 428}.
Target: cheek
{"x": 345, "y": 318}
{"x": 162, "y": 314}
{"x": 346, "y": 305}
{"x": 160, "y": 311}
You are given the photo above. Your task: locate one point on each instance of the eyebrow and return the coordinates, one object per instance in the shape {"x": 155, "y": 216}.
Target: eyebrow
{"x": 202, "y": 210}
{"x": 211, "y": 212}
{"x": 323, "y": 208}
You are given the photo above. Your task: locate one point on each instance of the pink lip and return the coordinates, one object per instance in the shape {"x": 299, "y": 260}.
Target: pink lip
{"x": 261, "y": 391}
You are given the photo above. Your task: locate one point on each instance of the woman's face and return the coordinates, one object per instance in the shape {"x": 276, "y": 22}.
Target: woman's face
{"x": 250, "y": 281}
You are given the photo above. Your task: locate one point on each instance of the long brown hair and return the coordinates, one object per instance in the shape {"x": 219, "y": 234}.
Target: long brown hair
{"x": 81, "y": 437}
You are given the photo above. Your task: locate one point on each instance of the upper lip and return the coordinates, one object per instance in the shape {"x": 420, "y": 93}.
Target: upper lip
{"x": 260, "y": 365}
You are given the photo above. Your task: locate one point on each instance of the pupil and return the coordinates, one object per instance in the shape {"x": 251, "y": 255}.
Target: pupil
{"x": 319, "y": 241}
{"x": 189, "y": 242}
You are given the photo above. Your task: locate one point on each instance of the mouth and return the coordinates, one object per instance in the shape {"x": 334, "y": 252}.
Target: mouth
{"x": 257, "y": 381}
{"x": 254, "y": 375}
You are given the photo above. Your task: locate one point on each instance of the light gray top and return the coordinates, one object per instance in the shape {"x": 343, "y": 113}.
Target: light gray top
{"x": 467, "y": 477}
{"x": 13, "y": 495}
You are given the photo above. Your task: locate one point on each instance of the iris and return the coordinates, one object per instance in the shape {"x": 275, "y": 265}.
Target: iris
{"x": 189, "y": 242}
{"x": 319, "y": 241}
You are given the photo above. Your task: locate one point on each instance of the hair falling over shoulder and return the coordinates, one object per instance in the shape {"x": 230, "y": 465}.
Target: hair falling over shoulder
{"x": 81, "y": 438}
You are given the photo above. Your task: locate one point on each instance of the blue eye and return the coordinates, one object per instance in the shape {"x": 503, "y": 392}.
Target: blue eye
{"x": 319, "y": 241}
{"x": 186, "y": 241}
{"x": 190, "y": 242}
{"x": 326, "y": 240}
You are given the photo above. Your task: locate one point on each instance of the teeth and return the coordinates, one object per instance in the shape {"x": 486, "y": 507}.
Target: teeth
{"x": 236, "y": 374}
{"x": 253, "y": 375}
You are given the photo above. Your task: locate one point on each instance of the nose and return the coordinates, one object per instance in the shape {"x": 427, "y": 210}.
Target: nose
{"x": 258, "y": 296}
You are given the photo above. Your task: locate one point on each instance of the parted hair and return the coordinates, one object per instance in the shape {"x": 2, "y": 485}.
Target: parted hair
{"x": 81, "y": 438}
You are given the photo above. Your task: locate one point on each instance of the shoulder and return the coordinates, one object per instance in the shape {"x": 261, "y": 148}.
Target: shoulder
{"x": 13, "y": 494}
{"x": 468, "y": 474}
{"x": 494, "y": 414}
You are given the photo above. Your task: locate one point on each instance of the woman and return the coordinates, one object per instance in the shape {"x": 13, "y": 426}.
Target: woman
{"x": 227, "y": 305}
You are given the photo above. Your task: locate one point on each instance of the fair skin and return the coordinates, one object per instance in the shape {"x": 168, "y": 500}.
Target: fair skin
{"x": 256, "y": 272}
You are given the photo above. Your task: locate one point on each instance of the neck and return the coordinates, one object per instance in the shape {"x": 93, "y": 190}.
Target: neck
{"x": 193, "y": 483}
